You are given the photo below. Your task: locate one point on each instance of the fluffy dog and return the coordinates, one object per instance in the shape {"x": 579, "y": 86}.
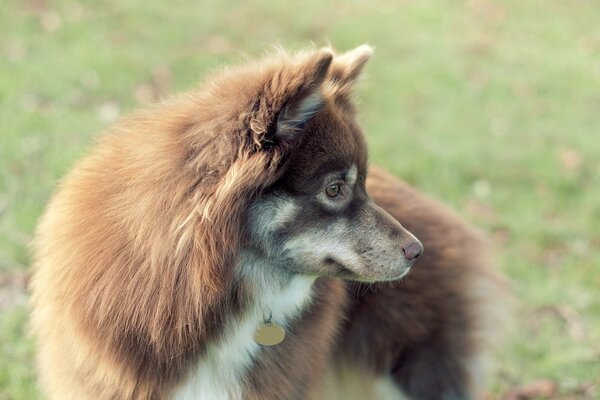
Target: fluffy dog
{"x": 245, "y": 209}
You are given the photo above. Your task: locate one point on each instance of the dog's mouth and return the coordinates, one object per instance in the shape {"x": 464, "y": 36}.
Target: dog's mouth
{"x": 340, "y": 270}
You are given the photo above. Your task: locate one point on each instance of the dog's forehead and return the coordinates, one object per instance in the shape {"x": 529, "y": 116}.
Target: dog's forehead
{"x": 333, "y": 142}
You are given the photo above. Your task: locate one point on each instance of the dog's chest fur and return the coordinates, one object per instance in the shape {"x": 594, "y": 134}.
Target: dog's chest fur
{"x": 220, "y": 372}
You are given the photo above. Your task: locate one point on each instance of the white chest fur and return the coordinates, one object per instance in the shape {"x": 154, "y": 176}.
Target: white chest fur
{"x": 219, "y": 373}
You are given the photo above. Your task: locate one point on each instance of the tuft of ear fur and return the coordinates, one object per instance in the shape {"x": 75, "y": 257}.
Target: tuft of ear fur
{"x": 293, "y": 117}
{"x": 289, "y": 99}
{"x": 345, "y": 69}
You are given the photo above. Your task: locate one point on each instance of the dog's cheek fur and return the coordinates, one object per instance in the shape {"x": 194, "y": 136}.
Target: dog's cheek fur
{"x": 269, "y": 217}
{"x": 275, "y": 220}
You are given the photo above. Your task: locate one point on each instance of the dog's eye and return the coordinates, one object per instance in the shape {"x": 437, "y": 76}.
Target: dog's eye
{"x": 333, "y": 190}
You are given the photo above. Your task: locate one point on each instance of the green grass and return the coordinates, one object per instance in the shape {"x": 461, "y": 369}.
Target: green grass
{"x": 491, "y": 106}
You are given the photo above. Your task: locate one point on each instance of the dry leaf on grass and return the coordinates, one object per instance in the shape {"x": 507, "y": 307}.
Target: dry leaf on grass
{"x": 570, "y": 159}
{"x": 541, "y": 388}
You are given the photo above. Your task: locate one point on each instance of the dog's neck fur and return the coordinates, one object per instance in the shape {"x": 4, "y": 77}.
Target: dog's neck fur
{"x": 272, "y": 291}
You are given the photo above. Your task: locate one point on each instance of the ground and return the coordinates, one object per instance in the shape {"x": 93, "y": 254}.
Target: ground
{"x": 490, "y": 106}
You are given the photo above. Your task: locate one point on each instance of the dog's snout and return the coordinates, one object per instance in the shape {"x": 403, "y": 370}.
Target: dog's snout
{"x": 413, "y": 251}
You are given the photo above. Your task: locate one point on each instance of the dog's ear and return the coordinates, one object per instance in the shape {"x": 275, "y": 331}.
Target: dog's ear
{"x": 291, "y": 97}
{"x": 294, "y": 116}
{"x": 346, "y": 68}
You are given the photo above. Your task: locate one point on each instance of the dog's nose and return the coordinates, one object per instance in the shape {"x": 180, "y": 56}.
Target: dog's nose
{"x": 413, "y": 251}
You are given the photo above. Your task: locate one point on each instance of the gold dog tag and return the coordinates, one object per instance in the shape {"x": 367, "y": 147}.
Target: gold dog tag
{"x": 269, "y": 334}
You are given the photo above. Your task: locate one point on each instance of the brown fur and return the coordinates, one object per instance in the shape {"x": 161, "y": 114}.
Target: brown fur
{"x": 134, "y": 256}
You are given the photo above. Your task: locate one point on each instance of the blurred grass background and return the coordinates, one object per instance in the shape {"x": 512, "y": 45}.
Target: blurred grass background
{"x": 491, "y": 106}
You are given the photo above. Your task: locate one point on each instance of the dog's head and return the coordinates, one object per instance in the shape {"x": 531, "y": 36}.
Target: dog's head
{"x": 316, "y": 217}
